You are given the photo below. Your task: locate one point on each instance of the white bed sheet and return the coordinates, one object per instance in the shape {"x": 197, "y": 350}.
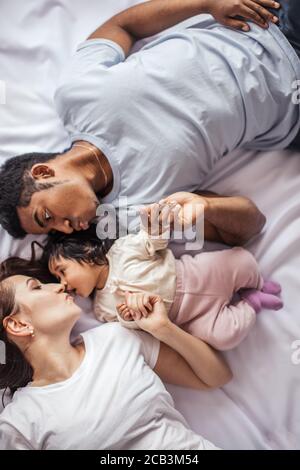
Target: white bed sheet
{"x": 260, "y": 408}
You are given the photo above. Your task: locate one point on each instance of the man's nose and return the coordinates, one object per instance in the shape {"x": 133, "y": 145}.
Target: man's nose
{"x": 64, "y": 226}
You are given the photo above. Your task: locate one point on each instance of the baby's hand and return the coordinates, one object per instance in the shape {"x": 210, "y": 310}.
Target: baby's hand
{"x": 156, "y": 320}
{"x": 188, "y": 209}
{"x": 136, "y": 305}
{"x": 124, "y": 312}
{"x": 158, "y": 218}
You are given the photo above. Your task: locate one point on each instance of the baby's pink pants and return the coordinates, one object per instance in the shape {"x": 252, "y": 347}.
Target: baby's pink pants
{"x": 203, "y": 304}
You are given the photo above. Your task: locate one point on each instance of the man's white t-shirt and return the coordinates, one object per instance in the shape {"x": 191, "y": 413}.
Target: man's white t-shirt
{"x": 113, "y": 401}
{"x": 165, "y": 115}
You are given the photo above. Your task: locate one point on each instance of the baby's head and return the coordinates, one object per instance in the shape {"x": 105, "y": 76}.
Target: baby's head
{"x": 77, "y": 260}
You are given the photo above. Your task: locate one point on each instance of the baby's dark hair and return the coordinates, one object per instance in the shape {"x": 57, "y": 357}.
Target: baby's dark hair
{"x": 83, "y": 247}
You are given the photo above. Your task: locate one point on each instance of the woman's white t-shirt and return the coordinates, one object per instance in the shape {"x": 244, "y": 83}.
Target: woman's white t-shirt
{"x": 113, "y": 401}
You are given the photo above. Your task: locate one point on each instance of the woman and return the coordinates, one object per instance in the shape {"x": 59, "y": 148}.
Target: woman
{"x": 104, "y": 392}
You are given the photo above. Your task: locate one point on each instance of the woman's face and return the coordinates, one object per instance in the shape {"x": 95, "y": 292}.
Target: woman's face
{"x": 81, "y": 278}
{"x": 46, "y": 307}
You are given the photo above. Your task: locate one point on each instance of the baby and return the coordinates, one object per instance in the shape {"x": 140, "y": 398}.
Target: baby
{"x": 199, "y": 292}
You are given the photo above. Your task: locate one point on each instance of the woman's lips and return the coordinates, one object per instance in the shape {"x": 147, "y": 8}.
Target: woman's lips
{"x": 69, "y": 298}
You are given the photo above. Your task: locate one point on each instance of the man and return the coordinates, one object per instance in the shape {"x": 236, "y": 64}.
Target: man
{"x": 157, "y": 122}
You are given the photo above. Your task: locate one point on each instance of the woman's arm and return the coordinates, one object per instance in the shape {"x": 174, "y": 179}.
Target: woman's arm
{"x": 152, "y": 17}
{"x": 183, "y": 359}
{"x": 173, "y": 369}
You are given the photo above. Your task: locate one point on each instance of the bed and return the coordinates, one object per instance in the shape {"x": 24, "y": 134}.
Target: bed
{"x": 260, "y": 408}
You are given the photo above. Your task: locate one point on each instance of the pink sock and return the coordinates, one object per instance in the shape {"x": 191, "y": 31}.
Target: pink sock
{"x": 271, "y": 302}
{"x": 271, "y": 287}
{"x": 259, "y": 300}
{"x": 251, "y": 296}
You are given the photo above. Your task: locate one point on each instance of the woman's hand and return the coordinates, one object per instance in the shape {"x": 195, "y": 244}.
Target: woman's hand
{"x": 148, "y": 311}
{"x": 232, "y": 12}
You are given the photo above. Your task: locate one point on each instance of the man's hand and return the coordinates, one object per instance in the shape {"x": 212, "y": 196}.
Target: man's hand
{"x": 232, "y": 12}
{"x": 179, "y": 212}
{"x": 188, "y": 208}
{"x": 232, "y": 220}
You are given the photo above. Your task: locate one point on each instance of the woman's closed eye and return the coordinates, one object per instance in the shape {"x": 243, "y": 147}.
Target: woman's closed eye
{"x": 34, "y": 284}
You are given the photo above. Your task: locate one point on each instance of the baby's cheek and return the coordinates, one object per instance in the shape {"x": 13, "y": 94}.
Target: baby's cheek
{"x": 73, "y": 281}
{"x": 86, "y": 281}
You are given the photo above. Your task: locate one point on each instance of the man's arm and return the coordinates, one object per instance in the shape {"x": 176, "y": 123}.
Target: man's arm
{"x": 152, "y": 17}
{"x": 147, "y": 19}
{"x": 232, "y": 220}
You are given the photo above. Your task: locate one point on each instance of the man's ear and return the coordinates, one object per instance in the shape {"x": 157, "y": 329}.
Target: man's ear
{"x": 41, "y": 171}
{"x": 16, "y": 327}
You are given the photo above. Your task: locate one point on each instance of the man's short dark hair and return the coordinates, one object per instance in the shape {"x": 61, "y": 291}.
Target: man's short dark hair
{"x": 17, "y": 187}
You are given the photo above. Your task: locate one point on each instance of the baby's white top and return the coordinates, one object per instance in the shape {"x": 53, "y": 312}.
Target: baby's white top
{"x": 137, "y": 263}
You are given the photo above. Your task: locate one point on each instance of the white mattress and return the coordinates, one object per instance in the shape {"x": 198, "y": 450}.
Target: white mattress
{"x": 260, "y": 408}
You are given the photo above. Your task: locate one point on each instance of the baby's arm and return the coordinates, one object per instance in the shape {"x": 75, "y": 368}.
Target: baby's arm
{"x": 156, "y": 224}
